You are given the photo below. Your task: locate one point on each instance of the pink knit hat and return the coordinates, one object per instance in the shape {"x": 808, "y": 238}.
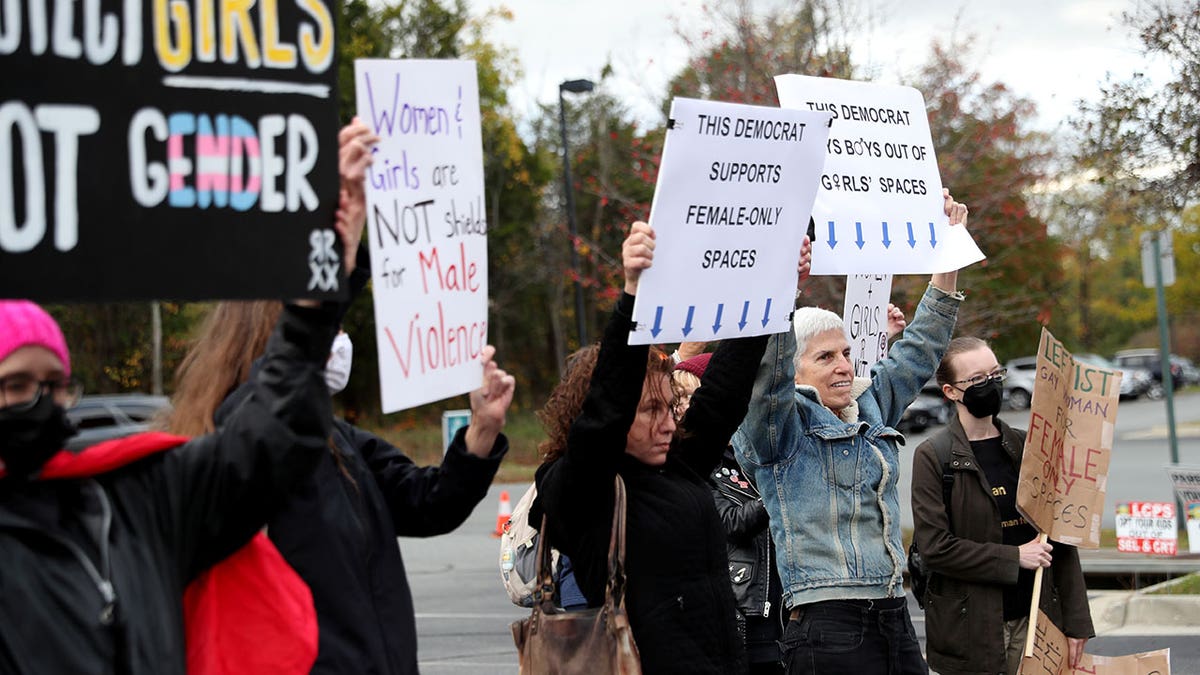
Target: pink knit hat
{"x": 695, "y": 365}
{"x": 23, "y": 323}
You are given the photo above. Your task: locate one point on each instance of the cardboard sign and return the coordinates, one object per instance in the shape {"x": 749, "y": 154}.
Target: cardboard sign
{"x": 1051, "y": 657}
{"x": 879, "y": 206}
{"x": 152, "y": 150}
{"x": 428, "y": 228}
{"x": 1064, "y": 471}
{"x": 865, "y": 315}
{"x": 732, "y": 202}
{"x": 1147, "y": 527}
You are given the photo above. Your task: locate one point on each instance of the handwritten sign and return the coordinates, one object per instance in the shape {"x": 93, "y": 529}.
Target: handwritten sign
{"x": 1050, "y": 657}
{"x": 428, "y": 228}
{"x": 866, "y": 319}
{"x": 154, "y": 150}
{"x": 732, "y": 202}
{"x": 879, "y": 206}
{"x": 1147, "y": 527}
{"x": 1064, "y": 472}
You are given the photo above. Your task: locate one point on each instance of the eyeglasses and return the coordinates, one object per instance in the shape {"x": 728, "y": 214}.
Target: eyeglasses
{"x": 999, "y": 376}
{"x": 21, "y": 392}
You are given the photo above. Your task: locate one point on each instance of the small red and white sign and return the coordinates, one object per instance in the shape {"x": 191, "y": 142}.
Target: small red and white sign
{"x": 1147, "y": 527}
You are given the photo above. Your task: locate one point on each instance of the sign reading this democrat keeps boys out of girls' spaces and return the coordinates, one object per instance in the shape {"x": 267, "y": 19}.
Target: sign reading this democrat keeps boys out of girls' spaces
{"x": 183, "y": 149}
{"x": 427, "y": 228}
{"x": 731, "y": 204}
{"x": 879, "y": 208}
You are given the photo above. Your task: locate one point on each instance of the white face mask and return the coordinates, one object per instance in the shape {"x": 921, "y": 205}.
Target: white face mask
{"x": 337, "y": 368}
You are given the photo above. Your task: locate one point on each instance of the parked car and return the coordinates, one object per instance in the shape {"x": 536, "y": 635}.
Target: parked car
{"x": 104, "y": 417}
{"x": 1151, "y": 361}
{"x": 1018, "y": 386}
{"x": 928, "y": 408}
{"x": 1189, "y": 373}
{"x": 1135, "y": 381}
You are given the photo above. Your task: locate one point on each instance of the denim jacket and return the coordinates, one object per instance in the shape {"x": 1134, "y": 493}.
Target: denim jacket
{"x": 829, "y": 482}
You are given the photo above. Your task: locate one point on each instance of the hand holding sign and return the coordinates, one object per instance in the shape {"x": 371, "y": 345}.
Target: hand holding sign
{"x": 948, "y": 281}
{"x": 489, "y": 405}
{"x": 637, "y": 254}
{"x": 1035, "y": 553}
{"x": 354, "y": 156}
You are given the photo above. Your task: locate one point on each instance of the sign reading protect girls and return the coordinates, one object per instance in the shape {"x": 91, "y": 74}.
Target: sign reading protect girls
{"x": 170, "y": 149}
{"x": 426, "y": 226}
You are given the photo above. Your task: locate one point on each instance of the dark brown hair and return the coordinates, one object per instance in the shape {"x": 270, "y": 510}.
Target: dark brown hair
{"x": 566, "y": 401}
{"x": 959, "y": 345}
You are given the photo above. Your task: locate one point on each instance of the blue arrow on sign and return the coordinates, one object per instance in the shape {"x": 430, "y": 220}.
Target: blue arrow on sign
{"x": 657, "y": 328}
{"x": 766, "y": 313}
{"x": 832, "y": 239}
{"x": 932, "y": 236}
{"x": 687, "y": 325}
{"x": 717, "y": 321}
{"x": 858, "y": 231}
{"x": 912, "y": 241}
{"x": 745, "y": 311}
{"x": 887, "y": 242}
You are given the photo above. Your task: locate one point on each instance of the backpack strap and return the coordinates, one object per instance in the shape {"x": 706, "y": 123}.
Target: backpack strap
{"x": 941, "y": 448}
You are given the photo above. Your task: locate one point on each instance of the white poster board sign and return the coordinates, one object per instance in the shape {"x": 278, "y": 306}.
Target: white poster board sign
{"x": 732, "y": 201}
{"x": 865, "y": 315}
{"x": 426, "y": 226}
{"x": 1147, "y": 527}
{"x": 879, "y": 207}
{"x": 1186, "y": 481}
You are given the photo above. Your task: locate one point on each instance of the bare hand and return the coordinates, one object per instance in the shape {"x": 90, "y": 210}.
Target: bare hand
{"x": 957, "y": 212}
{"x": 1075, "y": 650}
{"x": 688, "y": 350}
{"x": 805, "y": 266}
{"x": 355, "y": 141}
{"x": 895, "y": 321}
{"x": 489, "y": 405}
{"x": 1035, "y": 554}
{"x": 637, "y": 254}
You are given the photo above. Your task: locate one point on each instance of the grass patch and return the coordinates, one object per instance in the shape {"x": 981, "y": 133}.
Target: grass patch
{"x": 423, "y": 444}
{"x": 1189, "y": 585}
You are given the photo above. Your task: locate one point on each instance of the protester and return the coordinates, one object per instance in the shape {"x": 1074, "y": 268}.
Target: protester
{"x": 756, "y": 587}
{"x": 979, "y": 549}
{"x": 96, "y": 548}
{"x": 612, "y": 414}
{"x": 338, "y": 526}
{"x": 825, "y": 455}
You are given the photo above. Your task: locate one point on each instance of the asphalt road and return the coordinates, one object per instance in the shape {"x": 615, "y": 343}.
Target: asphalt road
{"x": 463, "y": 612}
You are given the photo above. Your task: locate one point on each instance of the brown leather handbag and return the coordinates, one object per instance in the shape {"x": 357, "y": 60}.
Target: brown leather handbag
{"x": 598, "y": 640}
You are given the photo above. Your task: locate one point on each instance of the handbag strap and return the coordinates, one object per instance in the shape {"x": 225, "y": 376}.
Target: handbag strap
{"x": 615, "y": 591}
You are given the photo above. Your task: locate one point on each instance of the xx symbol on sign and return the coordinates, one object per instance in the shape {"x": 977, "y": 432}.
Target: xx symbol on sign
{"x": 322, "y": 261}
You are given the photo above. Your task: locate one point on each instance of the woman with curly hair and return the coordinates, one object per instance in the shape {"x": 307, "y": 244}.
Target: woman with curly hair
{"x": 613, "y": 414}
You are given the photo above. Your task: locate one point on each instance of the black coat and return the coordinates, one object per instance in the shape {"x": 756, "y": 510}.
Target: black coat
{"x": 338, "y": 531}
{"x": 678, "y": 595}
{"x": 151, "y": 526}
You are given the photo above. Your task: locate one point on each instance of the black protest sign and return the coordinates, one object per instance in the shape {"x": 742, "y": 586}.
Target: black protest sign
{"x": 168, "y": 149}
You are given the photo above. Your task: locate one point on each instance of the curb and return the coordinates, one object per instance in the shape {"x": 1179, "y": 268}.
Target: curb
{"x": 1140, "y": 613}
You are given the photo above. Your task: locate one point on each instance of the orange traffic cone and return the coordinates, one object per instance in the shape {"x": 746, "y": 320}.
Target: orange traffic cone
{"x": 503, "y": 513}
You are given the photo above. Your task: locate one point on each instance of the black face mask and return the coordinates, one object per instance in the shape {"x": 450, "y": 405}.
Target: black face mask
{"x": 31, "y": 436}
{"x": 983, "y": 400}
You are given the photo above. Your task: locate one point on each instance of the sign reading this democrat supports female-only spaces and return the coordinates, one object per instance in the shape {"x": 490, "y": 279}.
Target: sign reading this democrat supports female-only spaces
{"x": 183, "y": 149}
{"x": 427, "y": 227}
{"x": 879, "y": 206}
{"x": 731, "y": 205}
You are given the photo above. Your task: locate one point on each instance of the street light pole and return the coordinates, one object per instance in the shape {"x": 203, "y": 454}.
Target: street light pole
{"x": 575, "y": 87}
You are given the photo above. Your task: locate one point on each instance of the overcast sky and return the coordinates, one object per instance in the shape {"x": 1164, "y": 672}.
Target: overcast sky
{"x": 1052, "y": 51}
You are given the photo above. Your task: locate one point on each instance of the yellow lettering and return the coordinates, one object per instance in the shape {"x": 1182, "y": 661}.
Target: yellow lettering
{"x": 206, "y": 32}
{"x": 236, "y": 27}
{"x": 316, "y": 47}
{"x": 999, "y": 491}
{"x": 173, "y": 57}
{"x": 275, "y": 54}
